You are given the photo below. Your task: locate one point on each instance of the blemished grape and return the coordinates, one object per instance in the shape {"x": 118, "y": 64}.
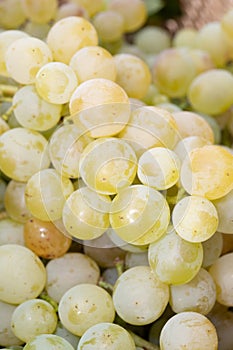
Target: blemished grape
{"x": 109, "y": 25}
{"x": 191, "y": 330}
{"x": 106, "y": 335}
{"x": 11, "y": 232}
{"x": 40, "y": 11}
{"x": 33, "y": 317}
{"x": 84, "y": 306}
{"x": 69, "y": 270}
{"x": 7, "y": 337}
{"x": 48, "y": 342}
{"x": 22, "y": 274}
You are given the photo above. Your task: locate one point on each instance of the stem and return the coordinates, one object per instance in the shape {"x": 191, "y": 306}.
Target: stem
{"x": 6, "y": 115}
{"x": 8, "y": 90}
{"x": 46, "y": 297}
{"x": 142, "y": 342}
{"x": 119, "y": 264}
{"x": 106, "y": 285}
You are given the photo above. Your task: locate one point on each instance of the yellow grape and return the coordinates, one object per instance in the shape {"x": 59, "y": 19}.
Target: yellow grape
{"x": 185, "y": 37}
{"x": 109, "y": 25}
{"x": 92, "y": 7}
{"x": 71, "y": 9}
{"x": 152, "y": 39}
{"x": 41, "y": 11}
{"x": 12, "y": 14}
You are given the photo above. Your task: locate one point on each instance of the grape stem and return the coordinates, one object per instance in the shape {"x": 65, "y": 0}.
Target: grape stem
{"x": 106, "y": 285}
{"x": 8, "y": 90}
{"x": 119, "y": 264}
{"x": 142, "y": 342}
{"x": 46, "y": 297}
{"x": 6, "y": 115}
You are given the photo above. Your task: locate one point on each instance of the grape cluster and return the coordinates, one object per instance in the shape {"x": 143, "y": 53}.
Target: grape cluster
{"x": 116, "y": 179}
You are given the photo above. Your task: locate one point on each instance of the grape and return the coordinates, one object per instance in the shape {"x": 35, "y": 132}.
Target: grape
{"x": 33, "y": 112}
{"x": 131, "y": 302}
{"x": 173, "y": 72}
{"x": 106, "y": 336}
{"x": 208, "y": 172}
{"x": 38, "y": 30}
{"x": 71, "y": 9}
{"x": 12, "y": 14}
{"x": 45, "y": 194}
{"x": 48, "y": 342}
{"x": 185, "y": 37}
{"x": 133, "y": 12}
{"x": 132, "y": 248}
{"x": 68, "y": 271}
{"x": 221, "y": 271}
{"x": 11, "y": 232}
{"x": 110, "y": 275}
{"x": 68, "y": 35}
{"x": 55, "y": 82}
{"x": 189, "y": 330}
{"x": 187, "y": 144}
{"x": 14, "y": 201}
{"x": 33, "y": 317}
{"x": 4, "y": 126}
{"x": 84, "y": 306}
{"x": 224, "y": 208}
{"x": 109, "y": 25}
{"x": 159, "y": 167}
{"x": 113, "y": 171}
{"x": 92, "y": 7}
{"x": 139, "y": 214}
{"x": 7, "y": 337}
{"x": 3, "y": 187}
{"x": 24, "y": 57}
{"x": 65, "y": 334}
{"x": 23, "y": 152}
{"x": 202, "y": 91}
{"x": 212, "y": 249}
{"x": 169, "y": 107}
{"x": 197, "y": 295}
{"x": 133, "y": 74}
{"x": 226, "y": 22}
{"x": 22, "y": 274}
{"x": 45, "y": 239}
{"x": 202, "y": 60}
{"x": 7, "y": 37}
{"x": 136, "y": 259}
{"x": 152, "y": 39}
{"x": 100, "y": 64}
{"x": 39, "y": 11}
{"x": 100, "y": 106}
{"x": 174, "y": 260}
{"x": 195, "y": 218}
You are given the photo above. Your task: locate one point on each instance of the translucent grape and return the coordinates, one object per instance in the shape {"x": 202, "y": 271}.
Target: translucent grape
{"x": 68, "y": 35}
{"x": 11, "y": 232}
{"x": 198, "y": 295}
{"x": 24, "y": 57}
{"x": 138, "y": 307}
{"x": 45, "y": 194}
{"x": 33, "y": 112}
{"x": 93, "y": 62}
{"x": 100, "y": 106}
{"x": 7, "y": 337}
{"x": 224, "y": 207}
{"x": 189, "y": 330}
{"x": 22, "y": 274}
{"x": 12, "y": 14}
{"x": 113, "y": 171}
{"x": 48, "y": 342}
{"x": 159, "y": 167}
{"x": 139, "y": 214}
{"x": 85, "y": 214}
{"x": 40, "y": 11}
{"x": 208, "y": 172}
{"x": 84, "y": 306}
{"x": 55, "y": 82}
{"x": 203, "y": 95}
{"x": 109, "y": 25}
{"x": 187, "y": 144}
{"x": 106, "y": 335}
{"x": 174, "y": 260}
{"x": 45, "y": 239}
{"x": 68, "y": 271}
{"x": 33, "y": 317}
{"x": 212, "y": 249}
{"x": 23, "y": 152}
{"x": 152, "y": 39}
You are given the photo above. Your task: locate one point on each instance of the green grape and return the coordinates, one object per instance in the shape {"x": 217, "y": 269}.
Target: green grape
{"x": 45, "y": 194}
{"x": 133, "y": 12}
{"x": 136, "y": 259}
{"x": 113, "y": 171}
{"x": 11, "y": 232}
{"x": 55, "y": 82}
{"x": 133, "y": 74}
{"x": 159, "y": 168}
{"x": 22, "y": 274}
{"x": 198, "y": 295}
{"x": 215, "y": 126}
{"x": 174, "y": 260}
{"x": 185, "y": 37}
{"x": 86, "y": 214}
{"x": 152, "y": 39}
{"x": 100, "y": 106}
{"x": 109, "y": 25}
{"x": 92, "y": 7}
{"x": 40, "y": 11}
{"x": 7, "y": 37}
{"x": 84, "y": 306}
{"x": 23, "y": 152}
{"x": 221, "y": 272}
{"x": 48, "y": 342}
{"x": 24, "y": 57}
{"x": 33, "y": 317}
{"x": 189, "y": 330}
{"x": 202, "y": 91}
{"x": 224, "y": 208}
{"x": 33, "y": 112}
{"x": 68, "y": 271}
{"x": 106, "y": 336}
{"x": 7, "y": 337}
{"x": 100, "y": 64}
{"x": 195, "y": 218}
{"x": 68, "y": 35}
{"x": 38, "y": 30}
{"x": 212, "y": 249}
{"x": 187, "y": 144}
{"x": 71, "y": 9}
{"x": 139, "y": 214}
{"x": 132, "y": 303}
{"x": 12, "y": 14}
{"x": 14, "y": 201}
{"x": 208, "y": 172}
